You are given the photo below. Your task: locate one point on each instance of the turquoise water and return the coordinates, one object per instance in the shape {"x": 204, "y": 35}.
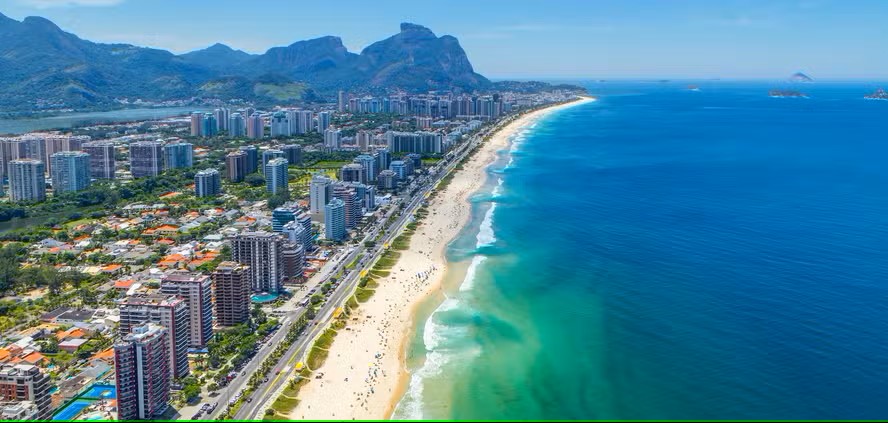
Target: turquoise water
{"x": 73, "y": 409}
{"x": 263, "y": 298}
{"x": 101, "y": 391}
{"x": 669, "y": 254}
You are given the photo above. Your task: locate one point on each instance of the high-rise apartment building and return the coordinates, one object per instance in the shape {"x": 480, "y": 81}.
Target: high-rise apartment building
{"x": 142, "y": 373}
{"x": 197, "y": 290}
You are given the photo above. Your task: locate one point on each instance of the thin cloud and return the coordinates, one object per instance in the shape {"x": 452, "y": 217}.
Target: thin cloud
{"x": 47, "y": 4}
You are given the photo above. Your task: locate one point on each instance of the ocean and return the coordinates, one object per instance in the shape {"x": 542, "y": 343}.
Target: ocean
{"x": 665, "y": 253}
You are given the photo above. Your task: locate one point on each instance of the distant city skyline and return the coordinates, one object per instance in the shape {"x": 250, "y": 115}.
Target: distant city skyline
{"x": 522, "y": 39}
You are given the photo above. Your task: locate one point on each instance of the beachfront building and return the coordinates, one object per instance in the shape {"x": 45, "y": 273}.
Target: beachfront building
{"x": 261, "y": 251}
{"x": 299, "y": 230}
{"x": 207, "y": 183}
{"x": 334, "y": 220}
{"x": 415, "y": 142}
{"x": 292, "y": 260}
{"x": 101, "y": 159}
{"x": 231, "y": 285}
{"x": 387, "y": 180}
{"x": 349, "y": 195}
{"x": 294, "y": 232}
{"x": 27, "y": 180}
{"x": 141, "y": 364}
{"x": 168, "y": 311}
{"x": 400, "y": 169}
{"x": 146, "y": 158}
{"x": 369, "y": 198}
{"x": 415, "y": 159}
{"x": 197, "y": 291}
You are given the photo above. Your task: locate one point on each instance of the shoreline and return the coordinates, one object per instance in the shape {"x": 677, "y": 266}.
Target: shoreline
{"x": 381, "y": 328}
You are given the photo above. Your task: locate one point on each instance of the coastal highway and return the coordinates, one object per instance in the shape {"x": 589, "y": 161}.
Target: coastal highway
{"x": 255, "y": 405}
{"x": 286, "y": 368}
{"x": 263, "y": 397}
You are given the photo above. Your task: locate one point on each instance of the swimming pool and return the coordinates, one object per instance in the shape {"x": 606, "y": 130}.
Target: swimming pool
{"x": 263, "y": 298}
{"x": 101, "y": 391}
{"x": 73, "y": 409}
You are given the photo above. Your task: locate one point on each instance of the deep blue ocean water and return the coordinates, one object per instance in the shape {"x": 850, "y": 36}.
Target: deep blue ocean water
{"x": 670, "y": 254}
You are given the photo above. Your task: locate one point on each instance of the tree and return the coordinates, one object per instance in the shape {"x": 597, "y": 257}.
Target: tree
{"x": 191, "y": 388}
{"x": 278, "y": 199}
{"x": 88, "y": 297}
{"x": 9, "y": 265}
{"x": 255, "y": 180}
{"x": 50, "y": 345}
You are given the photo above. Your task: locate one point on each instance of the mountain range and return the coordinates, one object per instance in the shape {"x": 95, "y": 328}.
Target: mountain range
{"x": 42, "y": 66}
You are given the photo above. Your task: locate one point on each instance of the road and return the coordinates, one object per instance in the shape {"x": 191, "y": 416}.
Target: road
{"x": 285, "y": 369}
{"x": 290, "y": 312}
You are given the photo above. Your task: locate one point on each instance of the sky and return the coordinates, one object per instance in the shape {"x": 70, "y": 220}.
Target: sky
{"x": 589, "y": 39}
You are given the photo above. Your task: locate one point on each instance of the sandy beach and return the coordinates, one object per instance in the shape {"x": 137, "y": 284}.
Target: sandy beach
{"x": 365, "y": 373}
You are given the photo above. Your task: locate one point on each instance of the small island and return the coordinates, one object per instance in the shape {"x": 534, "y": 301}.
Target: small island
{"x": 800, "y": 77}
{"x": 879, "y": 94}
{"x": 787, "y": 94}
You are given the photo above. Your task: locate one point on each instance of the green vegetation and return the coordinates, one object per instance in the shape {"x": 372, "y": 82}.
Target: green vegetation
{"x": 317, "y": 357}
{"x": 362, "y": 295}
{"x": 326, "y": 339}
{"x": 269, "y": 362}
{"x": 288, "y": 400}
{"x": 354, "y": 262}
{"x": 280, "y": 92}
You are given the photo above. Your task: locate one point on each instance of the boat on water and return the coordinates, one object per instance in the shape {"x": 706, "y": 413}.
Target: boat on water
{"x": 879, "y": 94}
{"x": 693, "y": 88}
